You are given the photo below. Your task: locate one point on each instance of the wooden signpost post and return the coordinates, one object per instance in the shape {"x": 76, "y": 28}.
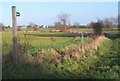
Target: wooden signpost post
{"x": 14, "y": 26}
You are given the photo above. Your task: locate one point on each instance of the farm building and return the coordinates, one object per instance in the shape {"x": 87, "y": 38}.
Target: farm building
{"x": 22, "y": 26}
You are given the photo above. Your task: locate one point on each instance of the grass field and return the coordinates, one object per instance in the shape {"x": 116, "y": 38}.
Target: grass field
{"x": 75, "y": 29}
{"x": 90, "y": 30}
{"x": 43, "y": 40}
{"x": 101, "y": 63}
{"x": 29, "y": 29}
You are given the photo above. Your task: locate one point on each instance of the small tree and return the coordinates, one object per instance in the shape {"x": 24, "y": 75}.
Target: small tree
{"x": 8, "y": 26}
{"x": 63, "y": 20}
{"x": 97, "y": 29}
{"x": 35, "y": 27}
{"x": 19, "y": 29}
{"x": 107, "y": 23}
{"x": 57, "y": 23}
{"x": 110, "y": 22}
{"x": 30, "y": 25}
{"x": 90, "y": 25}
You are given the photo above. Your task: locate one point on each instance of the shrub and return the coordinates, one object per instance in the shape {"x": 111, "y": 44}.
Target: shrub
{"x": 97, "y": 29}
{"x": 19, "y": 29}
{"x": 35, "y": 29}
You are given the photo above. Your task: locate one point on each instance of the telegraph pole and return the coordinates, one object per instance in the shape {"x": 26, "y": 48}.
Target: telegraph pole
{"x": 14, "y": 26}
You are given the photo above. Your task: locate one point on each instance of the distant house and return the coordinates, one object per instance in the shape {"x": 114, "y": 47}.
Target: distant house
{"x": 36, "y": 26}
{"x": 43, "y": 26}
{"x": 22, "y": 26}
{"x": 33, "y": 26}
{"x": 51, "y": 26}
{"x": 29, "y": 26}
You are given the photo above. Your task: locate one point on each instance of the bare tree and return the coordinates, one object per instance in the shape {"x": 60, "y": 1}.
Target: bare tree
{"x": 107, "y": 23}
{"x": 64, "y": 18}
{"x": 57, "y": 23}
{"x": 90, "y": 25}
{"x": 110, "y": 22}
{"x": 76, "y": 24}
{"x": 31, "y": 24}
{"x": 114, "y": 20}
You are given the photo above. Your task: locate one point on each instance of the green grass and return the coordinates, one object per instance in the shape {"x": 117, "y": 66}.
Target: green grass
{"x": 29, "y": 29}
{"x": 108, "y": 65}
{"x": 115, "y": 30}
{"x": 42, "y": 40}
{"x": 35, "y": 40}
{"x": 103, "y": 64}
{"x": 82, "y": 30}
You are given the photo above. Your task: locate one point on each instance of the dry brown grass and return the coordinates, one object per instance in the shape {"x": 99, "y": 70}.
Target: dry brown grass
{"x": 78, "y": 50}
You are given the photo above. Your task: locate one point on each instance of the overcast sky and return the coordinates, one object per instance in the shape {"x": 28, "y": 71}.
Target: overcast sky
{"x": 45, "y": 13}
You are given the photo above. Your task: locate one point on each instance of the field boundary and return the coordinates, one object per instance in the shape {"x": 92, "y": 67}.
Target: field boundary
{"x": 77, "y": 50}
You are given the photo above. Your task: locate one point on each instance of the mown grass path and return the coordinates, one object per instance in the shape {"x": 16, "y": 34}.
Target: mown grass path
{"x": 104, "y": 64}
{"x": 108, "y": 64}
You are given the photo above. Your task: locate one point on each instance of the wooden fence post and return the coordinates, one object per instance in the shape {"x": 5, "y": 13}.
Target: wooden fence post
{"x": 15, "y": 47}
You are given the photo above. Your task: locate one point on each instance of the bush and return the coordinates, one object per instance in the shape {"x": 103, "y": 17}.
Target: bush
{"x": 62, "y": 27}
{"x": 97, "y": 29}
{"x": 35, "y": 29}
{"x": 19, "y": 29}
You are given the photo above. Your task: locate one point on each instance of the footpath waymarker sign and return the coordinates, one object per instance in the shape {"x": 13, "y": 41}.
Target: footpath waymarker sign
{"x": 17, "y": 14}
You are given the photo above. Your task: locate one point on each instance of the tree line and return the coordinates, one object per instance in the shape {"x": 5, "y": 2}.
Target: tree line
{"x": 63, "y": 23}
